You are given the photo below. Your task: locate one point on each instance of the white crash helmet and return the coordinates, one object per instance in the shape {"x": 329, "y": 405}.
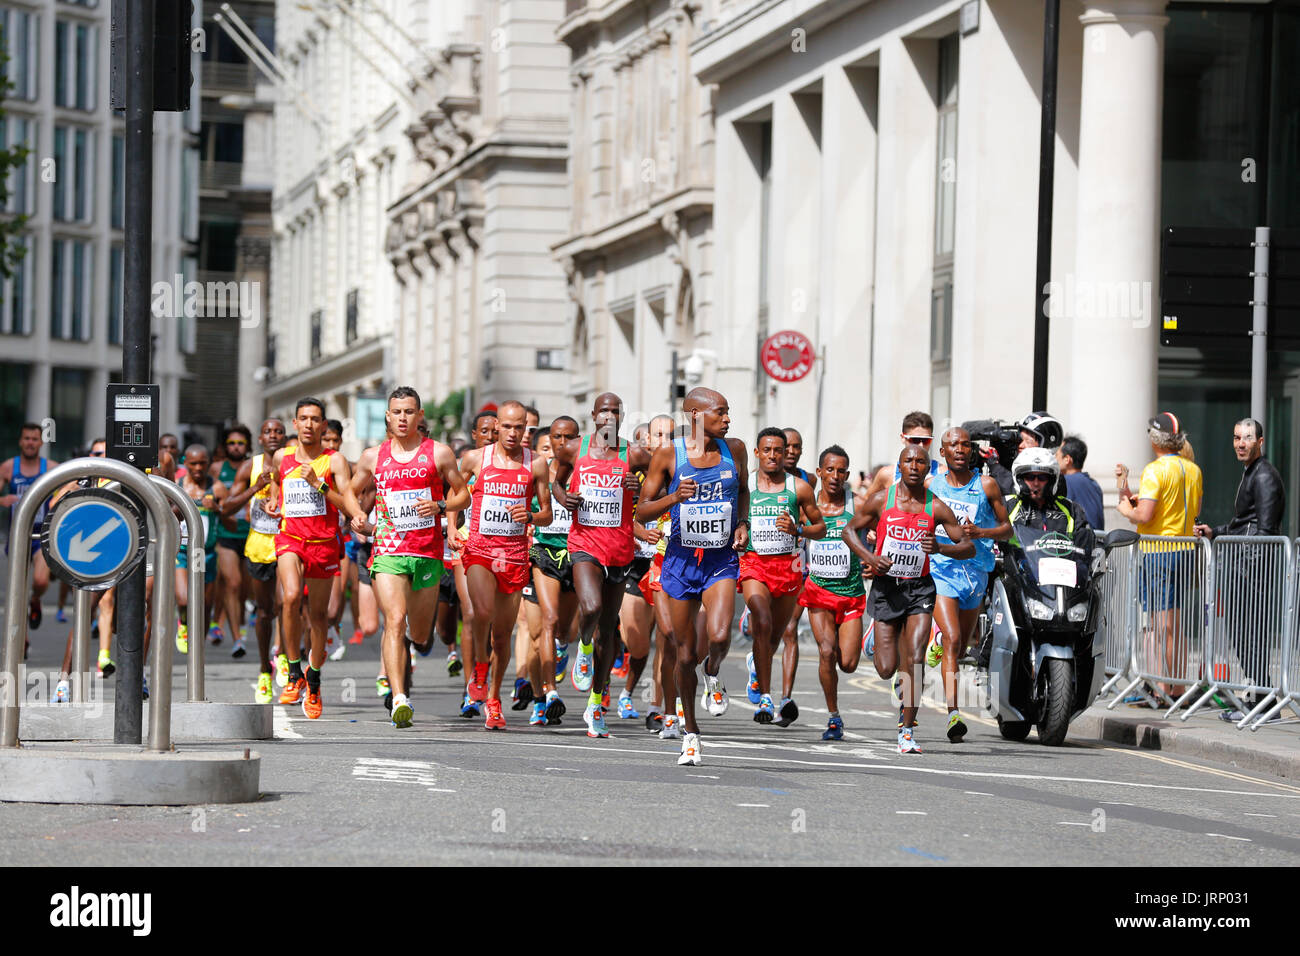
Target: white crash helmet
{"x": 1037, "y": 461}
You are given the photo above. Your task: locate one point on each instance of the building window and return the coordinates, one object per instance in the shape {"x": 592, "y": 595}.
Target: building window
{"x": 351, "y": 328}
{"x": 119, "y": 181}
{"x": 74, "y": 64}
{"x": 316, "y": 318}
{"x": 72, "y": 270}
{"x": 13, "y": 404}
{"x": 16, "y": 304}
{"x": 74, "y": 176}
{"x": 68, "y": 393}
{"x": 20, "y": 32}
{"x": 270, "y": 352}
{"x": 945, "y": 220}
{"x": 21, "y": 185}
{"x": 115, "y": 266}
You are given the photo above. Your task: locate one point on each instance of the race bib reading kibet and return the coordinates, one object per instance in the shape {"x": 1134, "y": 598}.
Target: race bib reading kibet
{"x": 705, "y": 524}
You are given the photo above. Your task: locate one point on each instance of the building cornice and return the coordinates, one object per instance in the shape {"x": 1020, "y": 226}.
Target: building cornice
{"x": 687, "y": 202}
{"x": 756, "y": 33}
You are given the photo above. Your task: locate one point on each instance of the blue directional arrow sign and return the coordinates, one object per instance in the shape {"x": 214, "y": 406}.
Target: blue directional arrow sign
{"x": 94, "y": 538}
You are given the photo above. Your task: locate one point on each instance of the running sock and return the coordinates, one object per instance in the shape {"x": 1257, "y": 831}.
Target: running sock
{"x": 295, "y": 669}
{"x": 313, "y": 678}
{"x": 834, "y": 714}
{"x": 595, "y": 698}
{"x": 586, "y": 648}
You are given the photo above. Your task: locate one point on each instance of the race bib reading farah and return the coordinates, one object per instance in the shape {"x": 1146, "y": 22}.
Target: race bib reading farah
{"x": 494, "y": 517}
{"x": 828, "y": 559}
{"x": 561, "y": 519}
{"x": 705, "y": 524}
{"x": 402, "y": 510}
{"x": 602, "y": 501}
{"x": 301, "y": 500}
{"x": 907, "y": 556}
{"x": 259, "y": 520}
{"x": 766, "y": 538}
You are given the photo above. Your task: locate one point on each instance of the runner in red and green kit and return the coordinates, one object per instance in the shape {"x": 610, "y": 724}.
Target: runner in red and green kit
{"x": 771, "y": 568}
{"x": 599, "y": 484}
{"x": 411, "y": 475}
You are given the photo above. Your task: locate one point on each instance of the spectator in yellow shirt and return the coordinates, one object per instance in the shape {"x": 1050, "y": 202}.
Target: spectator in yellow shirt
{"x": 1167, "y": 504}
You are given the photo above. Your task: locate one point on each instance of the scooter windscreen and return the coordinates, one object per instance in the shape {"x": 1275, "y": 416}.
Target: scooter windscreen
{"x": 1048, "y": 559}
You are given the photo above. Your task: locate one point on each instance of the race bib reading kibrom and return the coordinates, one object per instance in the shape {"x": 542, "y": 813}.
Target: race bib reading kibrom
{"x": 602, "y": 501}
{"x": 402, "y": 510}
{"x": 907, "y": 556}
{"x": 766, "y": 538}
{"x": 705, "y": 524}
{"x": 301, "y": 500}
{"x": 259, "y": 520}
{"x": 494, "y": 517}
{"x": 828, "y": 559}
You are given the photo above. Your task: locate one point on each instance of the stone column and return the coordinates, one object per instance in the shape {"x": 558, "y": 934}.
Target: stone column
{"x": 1114, "y": 297}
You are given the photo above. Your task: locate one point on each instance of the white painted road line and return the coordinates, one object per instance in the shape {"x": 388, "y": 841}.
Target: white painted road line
{"x": 1224, "y": 836}
{"x": 762, "y": 805}
{"x": 976, "y": 793}
{"x": 912, "y": 813}
{"x": 282, "y": 726}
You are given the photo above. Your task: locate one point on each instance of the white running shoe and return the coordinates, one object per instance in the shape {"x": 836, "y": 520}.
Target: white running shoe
{"x": 338, "y": 652}
{"x": 62, "y": 692}
{"x": 672, "y": 729}
{"x": 715, "y": 696}
{"x": 690, "y": 751}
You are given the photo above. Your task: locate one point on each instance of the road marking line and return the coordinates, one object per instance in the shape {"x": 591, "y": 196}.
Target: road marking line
{"x": 439, "y": 790}
{"x": 1225, "y": 836}
{"x": 565, "y": 769}
{"x": 1261, "y": 814}
{"x": 1067, "y": 823}
{"x": 977, "y": 793}
{"x": 281, "y": 726}
{"x": 912, "y": 813}
{"x": 763, "y": 805}
{"x": 1210, "y": 770}
{"x": 833, "y": 783}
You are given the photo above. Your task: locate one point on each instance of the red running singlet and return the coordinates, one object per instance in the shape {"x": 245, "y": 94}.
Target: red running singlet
{"x": 399, "y": 487}
{"x": 308, "y": 514}
{"x": 602, "y": 527}
{"x": 492, "y": 532}
{"x": 899, "y": 537}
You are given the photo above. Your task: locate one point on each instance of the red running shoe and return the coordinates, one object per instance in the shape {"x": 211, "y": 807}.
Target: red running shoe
{"x": 477, "y": 687}
{"x": 494, "y": 720}
{"x": 356, "y": 637}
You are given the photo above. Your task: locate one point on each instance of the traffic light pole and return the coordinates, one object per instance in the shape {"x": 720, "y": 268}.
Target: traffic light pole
{"x": 136, "y": 360}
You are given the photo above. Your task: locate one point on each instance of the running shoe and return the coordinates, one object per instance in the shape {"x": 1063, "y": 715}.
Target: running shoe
{"x": 265, "y": 688}
{"x": 215, "y": 634}
{"x": 619, "y": 670}
{"x": 554, "y": 707}
{"x": 834, "y": 728}
{"x": 357, "y": 637}
{"x": 934, "y": 653}
{"x": 454, "y": 666}
{"x": 654, "y": 721}
{"x": 410, "y": 652}
{"x": 182, "y": 639}
{"x": 752, "y": 689}
{"x": 338, "y": 652}
{"x": 869, "y": 641}
{"x": 672, "y": 729}
{"x": 956, "y": 727}
{"x": 294, "y": 690}
{"x": 60, "y": 616}
{"x": 522, "y": 695}
{"x": 604, "y": 698}
{"x": 281, "y": 670}
{"x": 402, "y": 711}
{"x": 715, "y": 696}
{"x": 561, "y": 661}
{"x": 425, "y": 649}
{"x": 625, "y": 709}
{"x": 538, "y": 716}
{"x": 106, "y": 665}
{"x": 470, "y": 708}
{"x": 312, "y": 704}
{"x": 34, "y": 613}
{"x": 477, "y": 688}
{"x": 388, "y": 703}
{"x": 583, "y": 669}
{"x": 789, "y": 712}
{"x": 746, "y": 634}
{"x": 595, "y": 718}
{"x": 332, "y": 636}
{"x": 494, "y": 720}
{"x": 906, "y": 744}
{"x": 238, "y": 650}
{"x": 62, "y": 692}
{"x": 690, "y": 756}
{"x": 766, "y": 713}
{"x": 381, "y": 686}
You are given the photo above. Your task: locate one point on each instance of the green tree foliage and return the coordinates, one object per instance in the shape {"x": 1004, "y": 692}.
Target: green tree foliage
{"x": 11, "y": 157}
{"x": 445, "y": 417}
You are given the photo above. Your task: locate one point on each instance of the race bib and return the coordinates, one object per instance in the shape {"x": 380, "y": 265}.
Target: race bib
{"x": 259, "y": 520}
{"x": 494, "y": 517}
{"x": 907, "y": 556}
{"x": 705, "y": 524}
{"x": 963, "y": 510}
{"x": 1060, "y": 571}
{"x": 601, "y": 507}
{"x": 828, "y": 558}
{"x": 766, "y": 538}
{"x": 185, "y": 531}
{"x": 644, "y": 549}
{"x": 448, "y": 554}
{"x": 561, "y": 519}
{"x": 402, "y": 509}
{"x": 301, "y": 500}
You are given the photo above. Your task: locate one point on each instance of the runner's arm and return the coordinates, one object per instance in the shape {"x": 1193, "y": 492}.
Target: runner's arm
{"x": 962, "y": 547}
{"x": 815, "y": 525}
{"x": 361, "y": 479}
{"x": 865, "y": 519}
{"x": 6, "y": 473}
{"x": 272, "y": 505}
{"x": 654, "y": 502}
{"x": 741, "y": 459}
{"x": 542, "y": 489}
{"x": 342, "y": 478}
{"x": 458, "y": 498}
{"x": 240, "y": 490}
{"x": 1002, "y": 530}
{"x": 565, "y": 458}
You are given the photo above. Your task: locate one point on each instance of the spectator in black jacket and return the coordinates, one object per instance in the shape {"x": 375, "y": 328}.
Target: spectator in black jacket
{"x": 1260, "y": 502}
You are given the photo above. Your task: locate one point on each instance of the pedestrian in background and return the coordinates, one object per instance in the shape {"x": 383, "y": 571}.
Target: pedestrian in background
{"x": 1167, "y": 505}
{"x": 1080, "y": 487}
{"x": 1257, "y": 510}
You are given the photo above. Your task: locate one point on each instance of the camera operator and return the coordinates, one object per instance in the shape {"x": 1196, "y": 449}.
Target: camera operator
{"x": 1036, "y": 430}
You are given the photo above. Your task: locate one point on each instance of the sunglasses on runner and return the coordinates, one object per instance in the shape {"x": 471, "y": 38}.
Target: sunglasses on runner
{"x": 236, "y": 441}
{"x": 918, "y": 439}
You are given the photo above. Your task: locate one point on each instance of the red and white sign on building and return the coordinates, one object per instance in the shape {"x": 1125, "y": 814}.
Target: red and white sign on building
{"x": 787, "y": 356}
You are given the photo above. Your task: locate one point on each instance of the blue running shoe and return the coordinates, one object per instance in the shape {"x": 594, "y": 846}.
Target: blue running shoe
{"x": 752, "y": 687}
{"x": 584, "y": 670}
{"x": 538, "y": 717}
{"x": 766, "y": 713}
{"x": 595, "y": 718}
{"x": 561, "y": 661}
{"x": 625, "y": 709}
{"x": 834, "y": 728}
{"x": 554, "y": 707}
{"x": 470, "y": 708}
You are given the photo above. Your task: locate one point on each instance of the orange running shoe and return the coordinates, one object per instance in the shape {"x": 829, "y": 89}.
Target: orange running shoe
{"x": 604, "y": 698}
{"x": 477, "y": 687}
{"x": 294, "y": 690}
{"x": 494, "y": 720}
{"x": 356, "y": 637}
{"x": 311, "y": 704}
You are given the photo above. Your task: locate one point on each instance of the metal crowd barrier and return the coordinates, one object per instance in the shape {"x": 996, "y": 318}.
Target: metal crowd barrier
{"x": 1288, "y": 694}
{"x": 1117, "y": 603}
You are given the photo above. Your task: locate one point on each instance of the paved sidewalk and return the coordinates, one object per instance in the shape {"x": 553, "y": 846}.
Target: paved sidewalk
{"x": 1273, "y": 749}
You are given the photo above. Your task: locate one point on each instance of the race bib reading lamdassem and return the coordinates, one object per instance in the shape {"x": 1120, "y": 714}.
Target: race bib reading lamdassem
{"x": 301, "y": 500}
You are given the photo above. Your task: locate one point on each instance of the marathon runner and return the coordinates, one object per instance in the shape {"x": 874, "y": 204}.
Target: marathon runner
{"x": 905, "y": 516}
{"x": 553, "y": 591}
{"x": 305, "y": 492}
{"x": 411, "y": 475}
{"x": 977, "y": 501}
{"x": 603, "y": 471}
{"x": 781, "y": 513}
{"x": 171, "y": 445}
{"x": 703, "y": 480}
{"x": 918, "y": 429}
{"x": 505, "y": 475}
{"x": 250, "y": 491}
{"x": 788, "y": 711}
{"x": 232, "y": 534}
{"x": 199, "y": 485}
{"x": 16, "y": 476}
{"x": 332, "y": 440}
{"x": 636, "y": 615}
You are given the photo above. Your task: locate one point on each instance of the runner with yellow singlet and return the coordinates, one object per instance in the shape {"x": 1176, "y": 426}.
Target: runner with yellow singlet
{"x": 248, "y": 494}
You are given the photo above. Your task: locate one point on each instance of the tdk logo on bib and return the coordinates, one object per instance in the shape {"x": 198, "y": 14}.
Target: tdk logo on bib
{"x": 705, "y": 510}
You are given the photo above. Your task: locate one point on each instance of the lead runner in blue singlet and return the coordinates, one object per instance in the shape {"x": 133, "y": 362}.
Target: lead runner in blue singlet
{"x": 17, "y": 475}
{"x": 703, "y": 480}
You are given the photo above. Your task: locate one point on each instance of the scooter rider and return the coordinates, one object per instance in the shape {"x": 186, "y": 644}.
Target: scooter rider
{"x": 1037, "y": 506}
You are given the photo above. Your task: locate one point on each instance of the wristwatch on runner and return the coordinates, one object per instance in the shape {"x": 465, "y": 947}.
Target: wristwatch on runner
{"x": 442, "y": 508}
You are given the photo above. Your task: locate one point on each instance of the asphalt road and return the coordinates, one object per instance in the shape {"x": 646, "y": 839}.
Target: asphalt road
{"x": 351, "y": 789}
